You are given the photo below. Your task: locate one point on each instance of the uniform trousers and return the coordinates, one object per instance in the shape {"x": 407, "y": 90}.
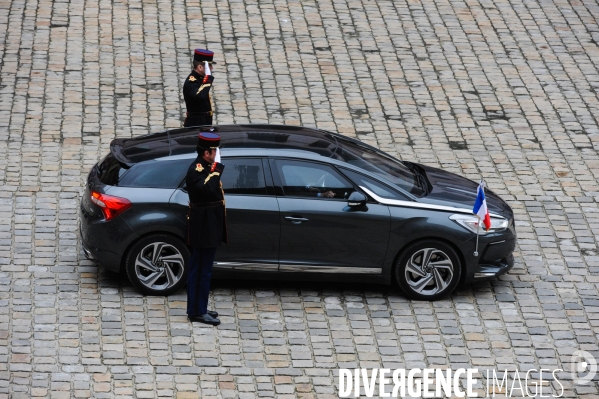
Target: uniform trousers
{"x": 198, "y": 280}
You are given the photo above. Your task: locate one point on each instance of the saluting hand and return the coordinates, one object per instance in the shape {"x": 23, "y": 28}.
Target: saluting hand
{"x": 207, "y": 72}
{"x": 217, "y": 167}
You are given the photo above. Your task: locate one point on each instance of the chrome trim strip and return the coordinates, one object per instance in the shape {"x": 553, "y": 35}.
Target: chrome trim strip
{"x": 330, "y": 269}
{"x": 265, "y": 267}
{"x": 413, "y": 204}
{"x": 479, "y": 275}
{"x": 497, "y": 242}
{"x": 87, "y": 253}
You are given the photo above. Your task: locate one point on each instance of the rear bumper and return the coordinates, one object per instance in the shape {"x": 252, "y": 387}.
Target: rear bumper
{"x": 104, "y": 242}
{"x": 106, "y": 258}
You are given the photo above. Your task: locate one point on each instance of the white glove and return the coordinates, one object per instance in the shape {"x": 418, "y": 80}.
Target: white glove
{"x": 217, "y": 157}
{"x": 207, "y": 68}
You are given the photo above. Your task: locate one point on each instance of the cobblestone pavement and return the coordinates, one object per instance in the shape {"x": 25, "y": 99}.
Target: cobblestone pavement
{"x": 506, "y": 89}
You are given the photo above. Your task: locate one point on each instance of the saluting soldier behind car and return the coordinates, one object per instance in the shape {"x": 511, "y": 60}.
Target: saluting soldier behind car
{"x": 196, "y": 89}
{"x": 207, "y": 226}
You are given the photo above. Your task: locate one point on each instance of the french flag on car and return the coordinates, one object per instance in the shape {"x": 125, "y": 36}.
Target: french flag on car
{"x": 480, "y": 206}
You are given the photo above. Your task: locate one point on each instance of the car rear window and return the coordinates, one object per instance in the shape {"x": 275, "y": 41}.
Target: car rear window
{"x": 152, "y": 174}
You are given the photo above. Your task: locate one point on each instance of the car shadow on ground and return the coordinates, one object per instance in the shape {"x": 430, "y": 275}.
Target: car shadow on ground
{"x": 319, "y": 286}
{"x": 120, "y": 280}
{"x": 115, "y": 280}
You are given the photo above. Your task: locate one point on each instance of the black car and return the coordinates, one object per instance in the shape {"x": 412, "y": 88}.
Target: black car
{"x": 301, "y": 204}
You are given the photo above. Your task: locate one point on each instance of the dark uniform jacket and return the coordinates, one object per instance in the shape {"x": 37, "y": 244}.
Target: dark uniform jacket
{"x": 206, "y": 225}
{"x": 197, "y": 100}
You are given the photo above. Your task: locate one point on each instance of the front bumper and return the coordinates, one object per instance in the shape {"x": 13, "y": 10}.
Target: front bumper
{"x": 495, "y": 257}
{"x": 497, "y": 268}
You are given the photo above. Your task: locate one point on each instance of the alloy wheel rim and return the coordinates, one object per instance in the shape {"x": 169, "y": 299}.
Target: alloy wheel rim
{"x": 429, "y": 271}
{"x": 159, "y": 266}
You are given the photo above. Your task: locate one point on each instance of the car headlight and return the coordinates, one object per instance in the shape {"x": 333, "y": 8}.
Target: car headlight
{"x": 472, "y": 223}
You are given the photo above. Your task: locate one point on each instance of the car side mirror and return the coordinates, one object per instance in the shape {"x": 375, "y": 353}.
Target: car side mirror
{"x": 356, "y": 200}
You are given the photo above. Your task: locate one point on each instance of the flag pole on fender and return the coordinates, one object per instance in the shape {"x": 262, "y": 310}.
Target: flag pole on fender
{"x": 476, "y": 248}
{"x": 481, "y": 211}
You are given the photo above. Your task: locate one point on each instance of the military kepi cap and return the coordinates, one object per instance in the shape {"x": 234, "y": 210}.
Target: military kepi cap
{"x": 202, "y": 55}
{"x": 208, "y": 140}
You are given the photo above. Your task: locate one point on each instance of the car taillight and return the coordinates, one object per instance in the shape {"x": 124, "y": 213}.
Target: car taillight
{"x": 111, "y": 206}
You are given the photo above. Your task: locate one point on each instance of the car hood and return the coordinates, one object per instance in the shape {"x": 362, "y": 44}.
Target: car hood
{"x": 450, "y": 189}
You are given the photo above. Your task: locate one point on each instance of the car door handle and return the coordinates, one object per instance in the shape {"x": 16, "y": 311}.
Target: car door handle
{"x": 296, "y": 220}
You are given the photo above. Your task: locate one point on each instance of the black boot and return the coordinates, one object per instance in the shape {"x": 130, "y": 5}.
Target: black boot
{"x": 206, "y": 319}
{"x": 210, "y": 312}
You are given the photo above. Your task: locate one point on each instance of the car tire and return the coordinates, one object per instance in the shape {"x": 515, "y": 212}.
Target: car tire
{"x": 157, "y": 264}
{"x": 428, "y": 270}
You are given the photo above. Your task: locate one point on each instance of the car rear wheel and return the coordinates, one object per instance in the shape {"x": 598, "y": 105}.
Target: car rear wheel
{"x": 157, "y": 264}
{"x": 428, "y": 270}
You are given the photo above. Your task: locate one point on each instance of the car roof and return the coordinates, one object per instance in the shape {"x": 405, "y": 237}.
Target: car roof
{"x": 279, "y": 140}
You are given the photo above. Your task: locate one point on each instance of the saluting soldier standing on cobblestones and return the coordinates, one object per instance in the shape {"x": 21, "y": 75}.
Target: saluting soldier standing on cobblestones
{"x": 207, "y": 227}
{"x": 196, "y": 89}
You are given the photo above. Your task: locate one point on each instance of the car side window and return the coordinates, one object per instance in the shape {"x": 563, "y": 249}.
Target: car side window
{"x": 380, "y": 189}
{"x": 312, "y": 180}
{"x": 243, "y": 176}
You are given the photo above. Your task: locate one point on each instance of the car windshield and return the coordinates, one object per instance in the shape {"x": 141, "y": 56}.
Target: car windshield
{"x": 380, "y": 165}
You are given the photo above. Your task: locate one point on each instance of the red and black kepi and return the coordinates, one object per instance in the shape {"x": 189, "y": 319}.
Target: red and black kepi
{"x": 208, "y": 140}
{"x": 202, "y": 55}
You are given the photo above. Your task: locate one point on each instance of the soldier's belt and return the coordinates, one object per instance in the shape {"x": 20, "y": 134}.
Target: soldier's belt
{"x": 207, "y": 113}
{"x": 206, "y": 204}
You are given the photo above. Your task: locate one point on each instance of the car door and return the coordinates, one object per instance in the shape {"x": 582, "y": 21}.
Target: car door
{"x": 252, "y": 210}
{"x": 319, "y": 231}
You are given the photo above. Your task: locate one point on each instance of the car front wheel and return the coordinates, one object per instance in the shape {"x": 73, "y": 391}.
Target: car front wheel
{"x": 157, "y": 264}
{"x": 428, "y": 270}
